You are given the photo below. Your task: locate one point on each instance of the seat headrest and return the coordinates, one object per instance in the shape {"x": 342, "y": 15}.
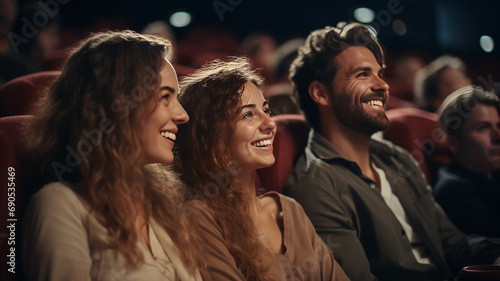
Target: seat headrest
{"x": 292, "y": 131}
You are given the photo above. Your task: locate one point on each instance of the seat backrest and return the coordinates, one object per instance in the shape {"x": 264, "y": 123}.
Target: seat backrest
{"x": 418, "y": 132}
{"x": 400, "y": 90}
{"x": 12, "y": 143}
{"x": 20, "y": 95}
{"x": 200, "y": 59}
{"x": 395, "y": 102}
{"x": 56, "y": 59}
{"x": 292, "y": 131}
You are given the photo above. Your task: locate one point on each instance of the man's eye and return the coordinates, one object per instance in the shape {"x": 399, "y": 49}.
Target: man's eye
{"x": 267, "y": 111}
{"x": 362, "y": 74}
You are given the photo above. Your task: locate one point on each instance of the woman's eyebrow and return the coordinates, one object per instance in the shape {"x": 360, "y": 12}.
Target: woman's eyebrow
{"x": 248, "y": 105}
{"x": 253, "y": 105}
{"x": 167, "y": 88}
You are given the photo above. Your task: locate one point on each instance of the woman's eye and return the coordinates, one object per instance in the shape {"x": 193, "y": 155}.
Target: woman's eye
{"x": 165, "y": 99}
{"x": 246, "y": 115}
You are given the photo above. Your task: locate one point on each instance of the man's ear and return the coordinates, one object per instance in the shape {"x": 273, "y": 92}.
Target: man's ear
{"x": 319, "y": 93}
{"x": 452, "y": 143}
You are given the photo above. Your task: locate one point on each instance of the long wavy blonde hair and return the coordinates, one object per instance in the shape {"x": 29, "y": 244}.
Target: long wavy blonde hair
{"x": 212, "y": 97}
{"x": 86, "y": 132}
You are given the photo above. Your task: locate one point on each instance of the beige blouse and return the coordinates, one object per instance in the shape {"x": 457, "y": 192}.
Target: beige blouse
{"x": 61, "y": 240}
{"x": 306, "y": 256}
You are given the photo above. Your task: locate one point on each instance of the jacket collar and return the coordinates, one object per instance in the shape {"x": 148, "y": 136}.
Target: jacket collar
{"x": 323, "y": 148}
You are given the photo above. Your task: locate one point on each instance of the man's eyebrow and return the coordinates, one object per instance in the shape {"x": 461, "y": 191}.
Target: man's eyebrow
{"x": 359, "y": 69}
{"x": 362, "y": 68}
{"x": 367, "y": 68}
{"x": 266, "y": 102}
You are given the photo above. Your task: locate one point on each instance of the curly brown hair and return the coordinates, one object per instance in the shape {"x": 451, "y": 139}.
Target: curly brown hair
{"x": 86, "y": 132}
{"x": 212, "y": 97}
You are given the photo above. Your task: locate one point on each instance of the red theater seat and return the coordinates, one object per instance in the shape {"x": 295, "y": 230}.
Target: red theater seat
{"x": 395, "y": 102}
{"x": 417, "y": 131}
{"x": 56, "y": 59}
{"x": 20, "y": 95}
{"x": 200, "y": 59}
{"x": 292, "y": 131}
{"x": 400, "y": 90}
{"x": 13, "y": 147}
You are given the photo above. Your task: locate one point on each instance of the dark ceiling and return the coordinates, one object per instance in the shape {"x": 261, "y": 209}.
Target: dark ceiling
{"x": 436, "y": 26}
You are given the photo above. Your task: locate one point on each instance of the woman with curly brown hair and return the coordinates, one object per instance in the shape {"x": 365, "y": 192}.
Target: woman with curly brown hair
{"x": 107, "y": 212}
{"x": 230, "y": 134}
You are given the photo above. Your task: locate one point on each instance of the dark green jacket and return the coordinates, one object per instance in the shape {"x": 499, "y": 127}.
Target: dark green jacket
{"x": 364, "y": 234}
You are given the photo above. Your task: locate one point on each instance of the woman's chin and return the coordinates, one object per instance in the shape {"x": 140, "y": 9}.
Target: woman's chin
{"x": 267, "y": 164}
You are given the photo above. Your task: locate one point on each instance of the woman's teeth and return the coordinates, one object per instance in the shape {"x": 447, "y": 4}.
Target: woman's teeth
{"x": 168, "y": 135}
{"x": 262, "y": 143}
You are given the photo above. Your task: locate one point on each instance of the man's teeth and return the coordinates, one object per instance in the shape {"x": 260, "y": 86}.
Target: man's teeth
{"x": 262, "y": 143}
{"x": 168, "y": 135}
{"x": 375, "y": 102}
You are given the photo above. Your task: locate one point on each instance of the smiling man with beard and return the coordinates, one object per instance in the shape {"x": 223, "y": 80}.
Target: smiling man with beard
{"x": 367, "y": 199}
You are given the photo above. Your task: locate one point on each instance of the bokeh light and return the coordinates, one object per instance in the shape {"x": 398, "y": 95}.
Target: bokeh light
{"x": 399, "y": 27}
{"x": 364, "y": 15}
{"x": 487, "y": 43}
{"x": 180, "y": 19}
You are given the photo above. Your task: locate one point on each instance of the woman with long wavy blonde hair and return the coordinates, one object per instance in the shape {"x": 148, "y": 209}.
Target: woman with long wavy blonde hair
{"x": 108, "y": 212}
{"x": 230, "y": 134}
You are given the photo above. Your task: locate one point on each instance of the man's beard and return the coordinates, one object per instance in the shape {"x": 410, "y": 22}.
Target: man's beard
{"x": 360, "y": 120}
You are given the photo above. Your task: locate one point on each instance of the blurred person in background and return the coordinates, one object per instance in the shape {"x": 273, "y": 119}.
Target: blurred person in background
{"x": 161, "y": 29}
{"x": 403, "y": 70}
{"x": 38, "y": 40}
{"x": 437, "y": 80}
{"x": 261, "y": 49}
{"x": 469, "y": 189}
{"x": 280, "y": 93}
{"x": 10, "y": 65}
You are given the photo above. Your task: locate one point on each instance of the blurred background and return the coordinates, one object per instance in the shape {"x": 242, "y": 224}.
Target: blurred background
{"x": 436, "y": 25}
{"x": 203, "y": 30}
